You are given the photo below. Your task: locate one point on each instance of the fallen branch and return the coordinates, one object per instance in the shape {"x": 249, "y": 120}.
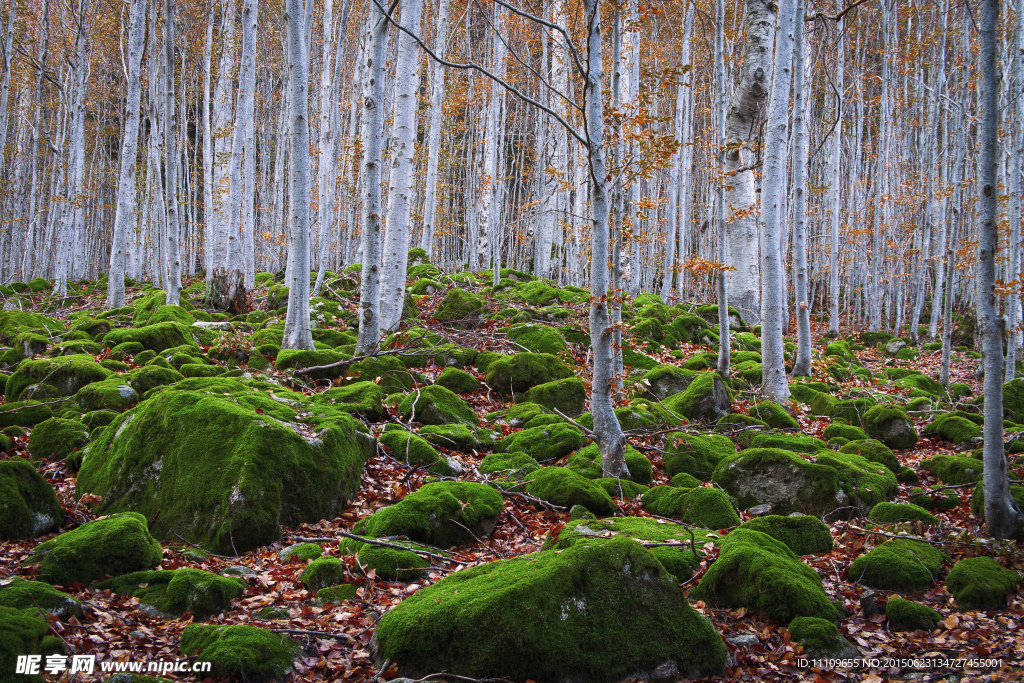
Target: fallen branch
{"x": 573, "y": 422}
{"x": 315, "y": 634}
{"x": 382, "y": 544}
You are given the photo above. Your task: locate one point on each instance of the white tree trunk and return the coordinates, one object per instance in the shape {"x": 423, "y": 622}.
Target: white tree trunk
{"x": 1016, "y": 141}
{"x": 489, "y": 179}
{"x": 677, "y": 197}
{"x": 835, "y": 180}
{"x": 171, "y": 164}
{"x": 719, "y": 188}
{"x": 802, "y": 362}
{"x": 437, "y": 74}
{"x": 219, "y": 221}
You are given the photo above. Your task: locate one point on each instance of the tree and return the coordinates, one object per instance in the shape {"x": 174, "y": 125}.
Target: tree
{"x": 802, "y": 362}
{"x": 172, "y": 261}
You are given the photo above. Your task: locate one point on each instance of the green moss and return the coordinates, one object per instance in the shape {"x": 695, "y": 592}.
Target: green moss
{"x": 226, "y": 471}
{"x": 336, "y": 594}
{"x": 891, "y": 425}
{"x": 548, "y": 442}
{"x": 819, "y": 637}
{"x": 802, "y": 392}
{"x": 866, "y": 483}
{"x": 621, "y": 488}
{"x": 703, "y": 506}
{"x": 774, "y": 415}
{"x": 981, "y": 583}
{"x": 113, "y": 394}
{"x": 537, "y": 338}
{"x": 408, "y": 447}
{"x": 900, "y": 564}
{"x": 780, "y": 478}
{"x": 151, "y": 376}
{"x": 804, "y": 535}
{"x": 978, "y": 497}
{"x": 873, "y": 451}
{"x": 24, "y": 413}
{"x": 233, "y": 650}
{"x": 201, "y": 370}
{"x": 456, "y": 437}
{"x": 391, "y": 372}
{"x": 755, "y": 571}
{"x": 443, "y": 514}
{"x": 291, "y": 359}
{"x": 844, "y": 430}
{"x": 13, "y": 323}
{"x": 157, "y": 337}
{"x": 705, "y": 399}
{"x": 904, "y": 615}
{"x": 460, "y": 308}
{"x": 323, "y": 572}
{"x": 201, "y": 594}
{"x": 66, "y": 374}
{"x": 695, "y": 454}
{"x": 587, "y": 462}
{"x": 20, "y": 594}
{"x": 561, "y": 486}
{"x": 553, "y": 616}
{"x": 363, "y": 399}
{"x": 954, "y": 429}
{"x": 567, "y": 395}
{"x": 113, "y": 545}
{"x": 797, "y": 443}
{"x": 56, "y": 438}
{"x": 435, "y": 405}
{"x": 457, "y": 381}
{"x": 517, "y": 373}
{"x": 955, "y": 469}
{"x": 508, "y": 464}
{"x": 391, "y": 564}
{"x": 890, "y": 513}
{"x": 21, "y": 633}
{"x": 29, "y": 505}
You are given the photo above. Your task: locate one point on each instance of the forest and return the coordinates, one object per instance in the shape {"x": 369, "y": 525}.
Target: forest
{"x": 509, "y": 341}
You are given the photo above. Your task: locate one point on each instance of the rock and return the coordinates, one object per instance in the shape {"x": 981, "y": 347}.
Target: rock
{"x": 508, "y": 464}
{"x": 336, "y": 594}
{"x": 175, "y": 592}
{"x": 292, "y": 359}
{"x": 457, "y": 381}
{"x": 797, "y": 443}
{"x": 702, "y": 506}
{"x": 757, "y": 510}
{"x": 154, "y": 375}
{"x": 868, "y": 603}
{"x": 517, "y": 373}
{"x": 21, "y": 594}
{"x": 112, "y": 394}
{"x": 429, "y": 515}
{"x": 435, "y": 405}
{"x": 955, "y": 469}
{"x": 981, "y": 583}
{"x": 21, "y": 633}
{"x": 56, "y": 438}
{"x": 904, "y": 615}
{"x": 323, "y": 572}
{"x": 744, "y": 640}
{"x": 866, "y": 483}
{"x": 803, "y": 534}
{"x": 891, "y": 513}
{"x": 821, "y": 639}
{"x": 900, "y": 564}
{"x": 460, "y": 309}
{"x": 774, "y": 414}
{"x": 561, "y": 486}
{"x": 28, "y": 503}
{"x": 873, "y": 450}
{"x": 216, "y": 325}
{"x": 261, "y": 654}
{"x": 845, "y": 431}
{"x": 891, "y": 425}
{"x": 114, "y": 545}
{"x": 224, "y": 465}
{"x": 567, "y": 395}
{"x": 954, "y": 429}
{"x": 755, "y": 571}
{"x": 66, "y": 375}
{"x": 781, "y": 478}
{"x": 537, "y": 338}
{"x": 666, "y": 380}
{"x": 390, "y": 564}
{"x": 239, "y": 570}
{"x": 362, "y": 399}
{"x": 695, "y": 454}
{"x": 408, "y": 447}
{"x": 705, "y": 399}
{"x": 553, "y": 617}
{"x": 548, "y": 442}
{"x": 24, "y": 413}
{"x": 587, "y": 462}
{"x": 157, "y": 337}
{"x": 302, "y": 552}
{"x": 894, "y": 346}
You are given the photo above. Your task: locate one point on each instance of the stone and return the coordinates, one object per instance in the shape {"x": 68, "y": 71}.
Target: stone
{"x": 904, "y": 615}
{"x": 803, "y": 534}
{"x": 695, "y": 454}
{"x": 666, "y": 380}
{"x": 981, "y": 583}
{"x": 821, "y": 639}
{"x": 28, "y": 503}
{"x": 56, "y": 438}
{"x": 706, "y": 399}
{"x": 702, "y": 506}
{"x": 561, "y": 486}
{"x": 460, "y": 309}
{"x": 22, "y": 594}
{"x": 175, "y": 592}
{"x": 547, "y": 442}
{"x": 567, "y": 395}
{"x": 261, "y": 654}
{"x": 435, "y": 405}
{"x": 899, "y": 564}
{"x": 780, "y": 478}
{"x": 891, "y": 425}
{"x": 517, "y": 373}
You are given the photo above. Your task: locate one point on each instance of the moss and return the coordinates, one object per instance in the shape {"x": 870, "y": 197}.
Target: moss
{"x": 978, "y": 497}
{"x": 891, "y": 425}
{"x": 938, "y": 500}
{"x": 460, "y": 308}
{"x": 113, "y": 545}
{"x": 900, "y": 564}
{"x": 567, "y": 395}
{"x": 226, "y": 471}
{"x": 56, "y": 438}
{"x": 819, "y": 637}
{"x": 456, "y": 437}
{"x": 113, "y": 394}
{"x": 873, "y": 451}
{"x": 548, "y": 442}
{"x": 258, "y": 653}
{"x": 175, "y": 592}
{"x": 955, "y": 469}
{"x": 685, "y": 481}
{"x": 157, "y": 337}
{"x": 443, "y": 514}
{"x": 587, "y": 462}
{"x": 21, "y": 633}
{"x": 553, "y": 616}
{"x": 780, "y": 478}
{"x": 866, "y": 483}
{"x": 21, "y": 594}
{"x": 744, "y": 424}
{"x": 852, "y": 410}
{"x": 981, "y": 583}
{"x": 13, "y": 323}
{"x": 890, "y": 513}
{"x": 336, "y": 594}
{"x": 561, "y": 486}
{"x": 774, "y": 415}
{"x": 804, "y": 535}
{"x": 24, "y": 413}
{"x": 201, "y": 370}
{"x": 391, "y": 564}
{"x": 904, "y": 615}
{"x": 301, "y": 552}
{"x": 291, "y": 359}
{"x": 363, "y": 399}
{"x": 954, "y": 429}
{"x": 485, "y": 358}
{"x": 797, "y": 443}
{"x": 151, "y": 376}
{"x": 844, "y": 430}
{"x": 457, "y": 381}
{"x": 174, "y": 314}
{"x": 755, "y": 571}
{"x": 508, "y": 464}
{"x": 537, "y": 338}
{"x": 323, "y": 572}
{"x": 621, "y": 488}
{"x": 695, "y": 454}
{"x": 705, "y": 399}
{"x": 29, "y": 505}
{"x": 802, "y": 392}
{"x": 517, "y": 373}
{"x": 408, "y": 447}
{"x": 66, "y": 374}
{"x": 703, "y": 506}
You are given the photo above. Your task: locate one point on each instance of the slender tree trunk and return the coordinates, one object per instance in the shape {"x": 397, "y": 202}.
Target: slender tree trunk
{"x": 171, "y": 160}
{"x": 835, "y": 180}
{"x": 1016, "y": 141}
{"x": 679, "y": 164}
{"x": 437, "y": 79}
{"x": 802, "y": 362}
{"x": 223, "y": 242}
{"x": 720, "y": 157}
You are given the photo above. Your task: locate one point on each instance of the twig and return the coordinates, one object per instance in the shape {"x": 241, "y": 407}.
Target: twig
{"x": 571, "y": 421}
{"x": 531, "y": 499}
{"x": 382, "y": 544}
{"x": 315, "y": 634}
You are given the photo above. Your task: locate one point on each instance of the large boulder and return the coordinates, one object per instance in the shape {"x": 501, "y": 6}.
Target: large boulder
{"x": 568, "y": 395}
{"x": 562, "y": 486}
{"x": 113, "y": 545}
{"x": 21, "y": 633}
{"x": 435, "y": 405}
{"x": 703, "y": 506}
{"x": 666, "y": 380}
{"x": 981, "y": 583}
{"x": 259, "y": 654}
{"x": 460, "y": 308}
{"x": 19, "y": 593}
{"x": 554, "y": 616}
{"x": 802, "y": 534}
{"x": 780, "y": 478}
{"x": 57, "y": 438}
{"x": 157, "y": 337}
{"x": 28, "y": 504}
{"x": 225, "y": 465}
{"x": 891, "y": 425}
{"x": 900, "y": 564}
{"x": 65, "y": 375}
{"x": 519, "y": 372}
{"x": 543, "y": 443}
{"x": 705, "y": 399}
{"x": 696, "y": 454}
{"x": 201, "y": 594}
{"x": 537, "y": 338}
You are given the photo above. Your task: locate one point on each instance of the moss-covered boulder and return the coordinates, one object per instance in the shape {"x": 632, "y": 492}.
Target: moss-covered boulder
{"x": 457, "y": 381}
{"x": 821, "y": 639}
{"x": 955, "y": 469}
{"x": 508, "y": 464}
{"x": 981, "y": 583}
{"x": 537, "y": 338}
{"x": 460, "y": 308}
{"x": 301, "y": 552}
{"x": 803, "y": 534}
{"x": 224, "y": 464}
{"x": 56, "y": 438}
{"x": 151, "y": 376}
{"x": 113, "y": 545}
{"x": 905, "y": 615}
{"x": 797, "y": 443}
{"x": 954, "y": 429}
{"x": 873, "y": 450}
{"x": 336, "y": 594}
{"x": 13, "y": 323}
{"x": 695, "y": 454}
{"x": 28, "y": 504}
{"x": 24, "y": 413}
{"x": 866, "y": 483}
{"x": 363, "y": 399}
{"x": 443, "y": 514}
{"x": 703, "y": 506}
{"x": 762, "y": 574}
{"x": 21, "y": 633}
{"x": 260, "y": 654}
{"x": 18, "y": 593}
{"x": 553, "y": 616}
{"x": 891, "y": 425}
{"x": 846, "y": 431}
{"x": 322, "y": 572}
{"x": 517, "y": 373}
{"x": 666, "y": 380}
{"x": 900, "y": 564}
{"x": 587, "y": 462}
{"x": 705, "y": 399}
{"x": 547, "y": 442}
{"x": 781, "y": 479}
{"x": 561, "y": 486}
{"x": 567, "y": 395}
{"x": 892, "y": 513}
{"x": 157, "y": 337}
{"x": 435, "y": 405}
{"x": 774, "y": 414}
{"x": 175, "y": 592}
{"x": 66, "y": 375}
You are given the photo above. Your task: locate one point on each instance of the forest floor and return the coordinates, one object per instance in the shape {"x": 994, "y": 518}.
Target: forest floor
{"x": 966, "y": 646}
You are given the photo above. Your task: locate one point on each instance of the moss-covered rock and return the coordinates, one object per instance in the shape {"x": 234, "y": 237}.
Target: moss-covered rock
{"x": 460, "y": 308}
{"x": 666, "y": 380}
{"x": 174, "y": 592}
{"x": 322, "y": 572}
{"x": 301, "y": 552}
{"x": 56, "y": 438}
{"x": 891, "y": 513}
{"x": 891, "y": 425}
{"x": 435, "y": 405}
{"x": 551, "y": 617}
{"x": 28, "y": 504}
{"x": 537, "y": 338}
{"x": 517, "y": 373}
{"x": 865, "y": 482}
{"x": 113, "y": 545}
{"x": 705, "y": 399}
{"x": 803, "y": 534}
{"x": 873, "y": 451}
{"x": 457, "y": 381}
{"x": 954, "y": 429}
{"x": 260, "y": 654}
{"x": 780, "y": 478}
{"x": 151, "y": 376}
{"x": 24, "y": 413}
{"x": 13, "y": 323}
{"x": 561, "y": 486}
{"x": 904, "y": 615}
{"x": 548, "y": 442}
{"x": 409, "y": 448}
{"x": 821, "y": 638}
{"x": 443, "y": 514}
{"x": 336, "y": 594}
{"x": 391, "y": 564}
{"x": 18, "y": 593}
{"x": 621, "y": 488}
{"x": 457, "y": 437}
{"x": 756, "y": 571}
{"x": 508, "y": 464}
{"x": 900, "y": 564}
{"x": 21, "y": 633}
{"x": 291, "y": 359}
{"x": 797, "y": 443}
{"x": 955, "y": 469}
{"x": 113, "y": 394}
{"x": 567, "y": 395}
{"x": 702, "y": 506}
{"x": 157, "y": 337}
{"x": 587, "y": 462}
{"x": 363, "y": 399}
{"x": 774, "y": 414}
{"x": 981, "y": 583}
{"x": 695, "y": 454}
{"x": 847, "y": 431}
{"x": 66, "y": 375}
{"x": 224, "y": 464}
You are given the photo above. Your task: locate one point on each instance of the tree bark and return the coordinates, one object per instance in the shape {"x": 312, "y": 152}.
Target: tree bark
{"x": 171, "y": 161}
{"x": 722, "y": 226}
{"x": 802, "y": 362}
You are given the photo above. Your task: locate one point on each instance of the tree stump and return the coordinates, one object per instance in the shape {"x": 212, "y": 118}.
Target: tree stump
{"x": 227, "y": 291}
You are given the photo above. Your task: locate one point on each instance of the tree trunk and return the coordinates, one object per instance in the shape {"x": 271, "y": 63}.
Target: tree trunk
{"x": 1016, "y": 140}
{"x": 835, "y": 179}
{"x": 802, "y": 362}
{"x": 720, "y": 157}
{"x": 437, "y": 72}
{"x": 173, "y": 284}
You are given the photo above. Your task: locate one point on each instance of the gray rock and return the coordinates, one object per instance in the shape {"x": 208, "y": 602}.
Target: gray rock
{"x": 894, "y": 346}
{"x": 744, "y": 640}
{"x": 239, "y": 570}
{"x": 220, "y": 326}
{"x": 760, "y": 510}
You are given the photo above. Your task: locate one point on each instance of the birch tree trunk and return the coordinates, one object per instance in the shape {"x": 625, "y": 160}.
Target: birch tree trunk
{"x": 171, "y": 160}
{"x": 720, "y": 157}
{"x": 437, "y": 77}
{"x": 745, "y": 110}
{"x": 1016, "y": 141}
{"x": 219, "y": 220}
{"x": 835, "y": 180}
{"x": 124, "y": 215}
{"x": 678, "y": 208}
{"x": 802, "y": 362}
